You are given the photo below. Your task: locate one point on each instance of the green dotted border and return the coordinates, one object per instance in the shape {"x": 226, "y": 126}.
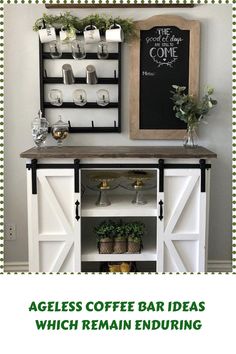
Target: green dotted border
{"x": 1, "y": 138}
{"x": 2, "y": 2}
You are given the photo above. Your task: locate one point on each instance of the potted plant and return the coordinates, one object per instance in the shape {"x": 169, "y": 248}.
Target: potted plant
{"x": 134, "y": 233}
{"x": 191, "y": 111}
{"x": 105, "y": 233}
{"x": 120, "y": 243}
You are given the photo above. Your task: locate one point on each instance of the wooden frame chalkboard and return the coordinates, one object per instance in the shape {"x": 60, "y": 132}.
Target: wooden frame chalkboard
{"x": 165, "y": 52}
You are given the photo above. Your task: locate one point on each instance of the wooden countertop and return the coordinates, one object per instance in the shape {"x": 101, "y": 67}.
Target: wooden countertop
{"x": 83, "y": 152}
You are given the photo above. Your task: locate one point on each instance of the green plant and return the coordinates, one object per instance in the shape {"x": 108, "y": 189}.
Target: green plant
{"x": 46, "y": 19}
{"x": 188, "y": 108}
{"x": 120, "y": 231}
{"x": 72, "y": 23}
{"x": 105, "y": 229}
{"x": 135, "y": 231}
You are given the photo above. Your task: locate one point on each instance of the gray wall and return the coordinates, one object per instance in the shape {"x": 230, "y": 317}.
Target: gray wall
{"x": 22, "y": 103}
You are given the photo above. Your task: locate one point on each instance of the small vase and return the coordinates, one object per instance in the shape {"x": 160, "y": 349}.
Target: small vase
{"x": 191, "y": 138}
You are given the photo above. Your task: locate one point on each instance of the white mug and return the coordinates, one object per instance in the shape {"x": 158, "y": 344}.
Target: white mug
{"x": 65, "y": 36}
{"x": 91, "y": 35}
{"x": 114, "y": 34}
{"x": 47, "y": 34}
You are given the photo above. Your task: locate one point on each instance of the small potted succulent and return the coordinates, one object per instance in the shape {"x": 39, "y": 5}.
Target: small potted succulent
{"x": 120, "y": 243}
{"x": 105, "y": 234}
{"x": 134, "y": 233}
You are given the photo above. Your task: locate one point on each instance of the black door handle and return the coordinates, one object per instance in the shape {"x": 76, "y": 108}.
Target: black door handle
{"x": 77, "y": 210}
{"x": 161, "y": 209}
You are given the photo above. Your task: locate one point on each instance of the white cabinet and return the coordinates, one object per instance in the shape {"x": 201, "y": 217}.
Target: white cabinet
{"x": 182, "y": 232}
{"x": 61, "y": 222}
{"x": 54, "y": 232}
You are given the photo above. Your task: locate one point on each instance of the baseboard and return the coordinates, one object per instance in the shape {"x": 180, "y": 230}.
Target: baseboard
{"x": 219, "y": 266}
{"x": 16, "y": 267}
{"x": 213, "y": 266}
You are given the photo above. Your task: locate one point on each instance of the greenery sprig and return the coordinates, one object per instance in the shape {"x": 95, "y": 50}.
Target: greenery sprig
{"x": 135, "y": 230}
{"x": 73, "y": 23}
{"x": 188, "y": 108}
{"x": 105, "y": 229}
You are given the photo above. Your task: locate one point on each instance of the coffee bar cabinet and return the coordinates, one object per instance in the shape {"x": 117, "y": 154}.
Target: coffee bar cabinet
{"x": 62, "y": 209}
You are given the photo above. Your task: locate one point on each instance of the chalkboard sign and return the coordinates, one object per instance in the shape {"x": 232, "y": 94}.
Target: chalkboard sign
{"x": 165, "y": 53}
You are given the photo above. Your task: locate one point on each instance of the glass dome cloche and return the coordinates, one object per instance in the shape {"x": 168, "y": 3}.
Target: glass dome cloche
{"x": 60, "y": 131}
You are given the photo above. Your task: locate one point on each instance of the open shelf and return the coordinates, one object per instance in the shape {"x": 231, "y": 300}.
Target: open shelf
{"x": 89, "y": 251}
{"x": 92, "y": 255}
{"x": 89, "y": 56}
{"x": 121, "y": 206}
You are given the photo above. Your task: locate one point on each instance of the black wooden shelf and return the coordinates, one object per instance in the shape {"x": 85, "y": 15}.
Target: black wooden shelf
{"x": 89, "y": 56}
{"x": 45, "y": 80}
{"x": 113, "y": 129}
{"x": 81, "y": 80}
{"x": 95, "y": 130}
{"x": 87, "y": 105}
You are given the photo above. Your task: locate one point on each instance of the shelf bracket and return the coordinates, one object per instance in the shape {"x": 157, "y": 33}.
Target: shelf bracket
{"x": 203, "y": 167}
{"x": 76, "y": 174}
{"x": 34, "y": 176}
{"x": 161, "y": 167}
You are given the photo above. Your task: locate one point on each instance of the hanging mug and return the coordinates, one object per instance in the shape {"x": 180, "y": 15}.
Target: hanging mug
{"x": 91, "y": 34}
{"x": 114, "y": 33}
{"x": 66, "y": 36}
{"x": 91, "y": 76}
{"x": 47, "y": 34}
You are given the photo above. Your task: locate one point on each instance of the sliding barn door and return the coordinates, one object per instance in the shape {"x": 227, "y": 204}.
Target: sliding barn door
{"x": 181, "y": 222}
{"x": 53, "y": 222}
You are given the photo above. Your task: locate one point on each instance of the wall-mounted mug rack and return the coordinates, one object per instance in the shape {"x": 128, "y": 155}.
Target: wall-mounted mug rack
{"x": 94, "y": 125}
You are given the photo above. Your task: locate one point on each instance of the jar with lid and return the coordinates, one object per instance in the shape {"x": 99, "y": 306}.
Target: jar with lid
{"x": 60, "y": 131}
{"x": 39, "y": 129}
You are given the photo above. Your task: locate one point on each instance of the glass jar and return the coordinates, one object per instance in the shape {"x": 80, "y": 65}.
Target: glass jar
{"x": 60, "y": 131}
{"x": 55, "y": 50}
{"x": 191, "y": 138}
{"x": 102, "y": 50}
{"x": 39, "y": 129}
{"x": 78, "y": 49}
{"x": 55, "y": 97}
{"x": 103, "y": 97}
{"x": 80, "y": 97}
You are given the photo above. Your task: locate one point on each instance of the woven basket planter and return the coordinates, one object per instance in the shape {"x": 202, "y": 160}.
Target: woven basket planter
{"x": 120, "y": 246}
{"x": 105, "y": 246}
{"x": 134, "y": 247}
